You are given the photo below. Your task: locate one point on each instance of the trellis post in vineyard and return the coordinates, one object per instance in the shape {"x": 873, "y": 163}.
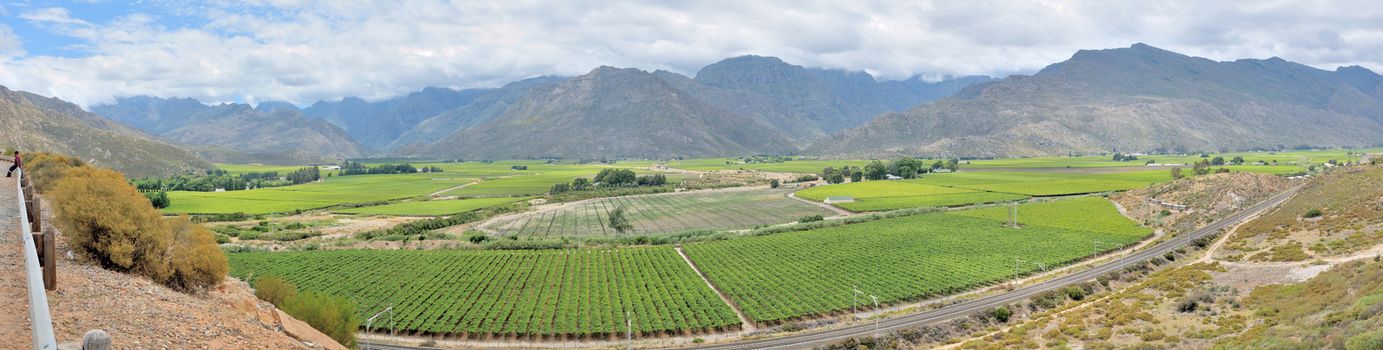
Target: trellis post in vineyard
{"x": 629, "y": 333}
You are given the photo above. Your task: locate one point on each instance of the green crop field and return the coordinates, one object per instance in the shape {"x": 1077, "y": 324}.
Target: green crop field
{"x": 334, "y": 190}
{"x": 789, "y": 275}
{"x": 431, "y": 207}
{"x": 663, "y": 213}
{"x": 501, "y": 181}
{"x": 1046, "y": 184}
{"x": 888, "y": 195}
{"x": 549, "y": 292}
{"x": 793, "y": 166}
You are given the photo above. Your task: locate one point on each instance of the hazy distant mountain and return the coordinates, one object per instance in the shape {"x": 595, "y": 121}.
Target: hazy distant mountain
{"x": 832, "y": 99}
{"x": 33, "y": 123}
{"x": 611, "y": 112}
{"x": 271, "y": 106}
{"x": 376, "y": 125}
{"x": 479, "y": 110}
{"x": 236, "y": 132}
{"x": 1139, "y": 98}
{"x": 788, "y": 106}
{"x": 799, "y": 104}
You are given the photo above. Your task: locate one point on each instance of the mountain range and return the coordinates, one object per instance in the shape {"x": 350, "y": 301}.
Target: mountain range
{"x": 32, "y": 123}
{"x": 741, "y": 105}
{"x": 236, "y": 132}
{"x": 1139, "y": 98}
{"x": 1134, "y": 99}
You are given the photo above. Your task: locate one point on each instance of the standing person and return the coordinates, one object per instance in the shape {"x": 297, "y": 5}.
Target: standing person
{"x": 17, "y": 163}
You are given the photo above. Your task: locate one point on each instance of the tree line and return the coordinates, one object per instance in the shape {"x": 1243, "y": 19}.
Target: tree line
{"x": 610, "y": 177}
{"x": 358, "y": 168}
{"x": 906, "y": 168}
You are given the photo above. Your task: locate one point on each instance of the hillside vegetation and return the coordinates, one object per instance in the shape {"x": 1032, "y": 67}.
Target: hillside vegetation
{"x": 1340, "y": 212}
{"x": 33, "y": 123}
{"x": 1139, "y": 98}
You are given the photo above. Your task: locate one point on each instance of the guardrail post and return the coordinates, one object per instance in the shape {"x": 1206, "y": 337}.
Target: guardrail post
{"x": 49, "y": 260}
{"x": 35, "y": 213}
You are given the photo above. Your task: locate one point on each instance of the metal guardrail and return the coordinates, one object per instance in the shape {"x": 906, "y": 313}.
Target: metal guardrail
{"x": 40, "y": 321}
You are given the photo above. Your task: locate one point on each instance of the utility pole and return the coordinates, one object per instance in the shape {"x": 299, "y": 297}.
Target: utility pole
{"x": 1013, "y": 214}
{"x": 629, "y": 334}
{"x": 876, "y": 317}
{"x": 369, "y": 323}
{"x": 1095, "y": 244}
{"x": 1018, "y": 265}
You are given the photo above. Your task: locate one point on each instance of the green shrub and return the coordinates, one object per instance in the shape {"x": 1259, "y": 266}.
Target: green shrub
{"x": 1365, "y": 341}
{"x": 196, "y": 259}
{"x": 333, "y": 316}
{"x": 1001, "y": 314}
{"x": 274, "y": 290}
{"x": 1313, "y": 213}
{"x": 106, "y": 220}
{"x": 811, "y": 218}
{"x": 1075, "y": 293}
{"x": 478, "y": 238}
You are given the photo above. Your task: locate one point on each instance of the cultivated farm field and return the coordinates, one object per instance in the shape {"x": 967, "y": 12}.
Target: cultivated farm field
{"x": 888, "y": 195}
{"x": 523, "y": 293}
{"x": 431, "y": 207}
{"x": 333, "y": 191}
{"x": 663, "y": 213}
{"x": 790, "y": 275}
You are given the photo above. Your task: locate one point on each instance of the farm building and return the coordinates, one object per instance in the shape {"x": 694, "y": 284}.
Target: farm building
{"x": 839, "y": 199}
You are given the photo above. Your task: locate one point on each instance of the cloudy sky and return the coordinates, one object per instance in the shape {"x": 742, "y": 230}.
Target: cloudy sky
{"x": 302, "y": 51}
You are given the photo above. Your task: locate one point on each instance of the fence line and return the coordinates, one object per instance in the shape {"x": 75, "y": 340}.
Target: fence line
{"x": 40, "y": 321}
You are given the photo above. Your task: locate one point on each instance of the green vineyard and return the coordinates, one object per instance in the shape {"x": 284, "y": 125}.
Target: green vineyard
{"x": 791, "y": 275}
{"x": 663, "y": 213}
{"x": 507, "y": 293}
{"x": 785, "y": 276}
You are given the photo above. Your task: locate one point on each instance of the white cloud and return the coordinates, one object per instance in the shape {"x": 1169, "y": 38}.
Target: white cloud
{"x": 54, "y": 15}
{"x": 10, "y": 45}
{"x": 305, "y": 50}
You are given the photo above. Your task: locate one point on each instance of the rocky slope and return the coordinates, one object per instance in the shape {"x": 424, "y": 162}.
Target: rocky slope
{"x": 830, "y": 99}
{"x": 33, "y": 123}
{"x": 611, "y": 112}
{"x": 1139, "y": 98}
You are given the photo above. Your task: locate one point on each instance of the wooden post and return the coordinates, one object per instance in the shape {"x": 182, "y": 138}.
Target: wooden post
{"x": 36, "y": 215}
{"x": 49, "y": 260}
{"x": 38, "y": 246}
